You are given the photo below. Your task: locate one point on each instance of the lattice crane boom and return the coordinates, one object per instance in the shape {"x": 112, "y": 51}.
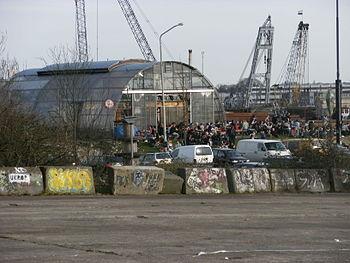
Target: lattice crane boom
{"x": 81, "y": 30}
{"x": 263, "y": 47}
{"x": 294, "y": 75}
{"x": 136, "y": 30}
{"x": 259, "y": 78}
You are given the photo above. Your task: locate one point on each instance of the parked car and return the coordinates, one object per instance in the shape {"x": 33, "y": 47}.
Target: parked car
{"x": 258, "y": 150}
{"x": 193, "y": 154}
{"x": 111, "y": 161}
{"x": 252, "y": 165}
{"x": 225, "y": 156}
{"x": 104, "y": 160}
{"x": 155, "y": 158}
{"x": 296, "y": 144}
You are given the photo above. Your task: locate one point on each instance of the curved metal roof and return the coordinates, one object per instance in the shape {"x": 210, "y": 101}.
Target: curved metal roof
{"x": 110, "y": 76}
{"x": 88, "y": 67}
{"x": 98, "y": 66}
{"x": 27, "y": 72}
{"x": 93, "y": 67}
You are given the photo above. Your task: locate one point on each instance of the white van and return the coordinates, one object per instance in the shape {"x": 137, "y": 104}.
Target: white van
{"x": 257, "y": 150}
{"x": 193, "y": 154}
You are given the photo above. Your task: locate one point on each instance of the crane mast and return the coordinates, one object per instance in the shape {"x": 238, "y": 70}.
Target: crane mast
{"x": 255, "y": 89}
{"x": 136, "y": 30}
{"x": 81, "y": 30}
{"x": 263, "y": 48}
{"x": 294, "y": 75}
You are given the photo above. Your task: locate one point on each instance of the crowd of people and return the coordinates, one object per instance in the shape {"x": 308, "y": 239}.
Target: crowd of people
{"x": 224, "y": 134}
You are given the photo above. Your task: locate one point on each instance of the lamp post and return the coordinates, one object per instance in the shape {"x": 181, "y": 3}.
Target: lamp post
{"x": 202, "y": 62}
{"x": 338, "y": 84}
{"x": 161, "y": 77}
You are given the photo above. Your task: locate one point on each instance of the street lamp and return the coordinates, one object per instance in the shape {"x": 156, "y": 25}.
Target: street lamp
{"x": 338, "y": 84}
{"x": 161, "y": 77}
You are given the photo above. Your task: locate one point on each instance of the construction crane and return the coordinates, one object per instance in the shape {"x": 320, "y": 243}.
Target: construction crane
{"x": 136, "y": 30}
{"x": 263, "y": 48}
{"x": 293, "y": 76}
{"x": 82, "y": 43}
{"x": 255, "y": 89}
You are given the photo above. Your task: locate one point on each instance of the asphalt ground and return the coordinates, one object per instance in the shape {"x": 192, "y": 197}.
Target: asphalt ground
{"x": 176, "y": 228}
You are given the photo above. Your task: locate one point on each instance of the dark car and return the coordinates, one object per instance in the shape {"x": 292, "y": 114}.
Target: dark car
{"x": 104, "y": 160}
{"x": 252, "y": 165}
{"x": 226, "y": 156}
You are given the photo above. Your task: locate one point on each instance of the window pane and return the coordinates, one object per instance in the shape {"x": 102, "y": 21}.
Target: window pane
{"x": 203, "y": 151}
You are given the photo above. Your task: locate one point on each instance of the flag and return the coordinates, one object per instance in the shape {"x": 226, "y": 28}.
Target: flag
{"x": 300, "y": 12}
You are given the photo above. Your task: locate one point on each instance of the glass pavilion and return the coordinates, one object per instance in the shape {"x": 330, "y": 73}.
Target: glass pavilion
{"x": 104, "y": 92}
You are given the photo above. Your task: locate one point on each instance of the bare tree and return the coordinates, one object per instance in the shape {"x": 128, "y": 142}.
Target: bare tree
{"x": 8, "y": 67}
{"x": 78, "y": 106}
{"x": 25, "y": 138}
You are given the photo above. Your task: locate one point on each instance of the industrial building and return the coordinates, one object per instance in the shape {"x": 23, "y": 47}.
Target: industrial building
{"x": 101, "y": 93}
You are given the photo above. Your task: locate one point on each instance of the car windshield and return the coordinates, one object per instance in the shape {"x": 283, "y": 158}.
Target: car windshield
{"x": 163, "y": 156}
{"x": 203, "y": 151}
{"x": 114, "y": 159}
{"x": 233, "y": 153}
{"x": 275, "y": 146}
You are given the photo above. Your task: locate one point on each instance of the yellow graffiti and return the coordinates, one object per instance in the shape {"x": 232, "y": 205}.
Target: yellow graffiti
{"x": 66, "y": 180}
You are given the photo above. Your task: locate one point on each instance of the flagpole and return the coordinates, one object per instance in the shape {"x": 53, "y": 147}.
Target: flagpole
{"x": 301, "y": 13}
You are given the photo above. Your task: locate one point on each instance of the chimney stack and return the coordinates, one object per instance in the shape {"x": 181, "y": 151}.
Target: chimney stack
{"x": 190, "y": 57}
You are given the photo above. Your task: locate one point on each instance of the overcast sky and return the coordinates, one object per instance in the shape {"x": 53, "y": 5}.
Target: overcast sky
{"x": 224, "y": 29}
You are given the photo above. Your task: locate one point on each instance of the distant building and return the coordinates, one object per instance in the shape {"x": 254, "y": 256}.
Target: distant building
{"x": 103, "y": 92}
{"x": 319, "y": 95}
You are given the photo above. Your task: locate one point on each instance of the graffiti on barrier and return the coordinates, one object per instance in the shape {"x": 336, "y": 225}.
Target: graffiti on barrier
{"x": 122, "y": 181}
{"x": 283, "y": 180}
{"x": 207, "y": 180}
{"x": 4, "y": 182}
{"x": 20, "y": 175}
{"x": 261, "y": 179}
{"x": 19, "y": 178}
{"x": 138, "y": 177}
{"x": 69, "y": 180}
{"x": 287, "y": 180}
{"x": 14, "y": 177}
{"x": 346, "y": 177}
{"x": 310, "y": 181}
{"x": 153, "y": 182}
{"x": 244, "y": 181}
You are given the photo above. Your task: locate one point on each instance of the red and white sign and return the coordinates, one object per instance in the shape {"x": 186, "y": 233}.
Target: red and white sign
{"x": 109, "y": 103}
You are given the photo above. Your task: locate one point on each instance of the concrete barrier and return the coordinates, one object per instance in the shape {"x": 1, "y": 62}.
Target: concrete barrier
{"x": 240, "y": 181}
{"x": 283, "y": 180}
{"x": 137, "y": 179}
{"x": 249, "y": 180}
{"x": 103, "y": 181}
{"x": 203, "y": 180}
{"x": 21, "y": 181}
{"x": 341, "y": 179}
{"x": 262, "y": 181}
{"x": 312, "y": 180}
{"x": 172, "y": 184}
{"x": 68, "y": 180}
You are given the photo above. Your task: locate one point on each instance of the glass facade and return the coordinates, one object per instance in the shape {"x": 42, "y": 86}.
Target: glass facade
{"x": 189, "y": 97}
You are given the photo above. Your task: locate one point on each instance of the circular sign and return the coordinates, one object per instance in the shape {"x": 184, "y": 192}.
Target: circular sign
{"x": 109, "y": 103}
